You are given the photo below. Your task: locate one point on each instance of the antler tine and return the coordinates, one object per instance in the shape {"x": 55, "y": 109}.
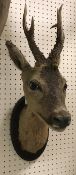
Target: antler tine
{"x": 54, "y": 56}
{"x": 39, "y": 57}
{"x": 28, "y": 32}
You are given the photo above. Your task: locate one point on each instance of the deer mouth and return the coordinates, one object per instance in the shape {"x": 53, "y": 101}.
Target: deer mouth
{"x": 57, "y": 128}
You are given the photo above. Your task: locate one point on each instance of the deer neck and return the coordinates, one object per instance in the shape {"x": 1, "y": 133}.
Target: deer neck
{"x": 33, "y": 132}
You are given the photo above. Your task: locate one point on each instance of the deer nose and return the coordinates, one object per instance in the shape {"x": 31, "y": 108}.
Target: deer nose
{"x": 60, "y": 121}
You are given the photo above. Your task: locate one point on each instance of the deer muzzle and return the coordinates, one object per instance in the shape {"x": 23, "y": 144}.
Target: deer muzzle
{"x": 59, "y": 120}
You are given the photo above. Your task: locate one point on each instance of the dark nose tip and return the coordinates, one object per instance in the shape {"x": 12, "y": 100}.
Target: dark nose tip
{"x": 61, "y": 121}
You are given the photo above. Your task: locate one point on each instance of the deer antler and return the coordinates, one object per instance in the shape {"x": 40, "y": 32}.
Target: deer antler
{"x": 54, "y": 56}
{"x": 39, "y": 57}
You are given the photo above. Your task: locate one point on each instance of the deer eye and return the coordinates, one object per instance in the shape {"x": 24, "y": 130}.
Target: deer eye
{"x": 34, "y": 85}
{"x": 65, "y": 87}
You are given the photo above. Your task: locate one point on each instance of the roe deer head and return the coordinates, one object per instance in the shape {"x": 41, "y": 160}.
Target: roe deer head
{"x": 44, "y": 86}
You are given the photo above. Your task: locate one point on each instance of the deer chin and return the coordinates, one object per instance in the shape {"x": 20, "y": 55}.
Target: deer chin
{"x": 56, "y": 128}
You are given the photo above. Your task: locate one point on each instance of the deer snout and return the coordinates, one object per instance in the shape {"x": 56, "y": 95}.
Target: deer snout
{"x": 60, "y": 120}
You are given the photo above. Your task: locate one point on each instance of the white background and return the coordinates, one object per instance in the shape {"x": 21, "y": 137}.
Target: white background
{"x": 59, "y": 157}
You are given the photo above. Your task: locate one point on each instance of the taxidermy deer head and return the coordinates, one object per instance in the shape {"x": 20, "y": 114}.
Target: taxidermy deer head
{"x": 44, "y": 86}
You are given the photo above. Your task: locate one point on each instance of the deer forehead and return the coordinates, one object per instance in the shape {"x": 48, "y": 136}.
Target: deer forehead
{"x": 34, "y": 74}
{"x": 52, "y": 76}
{"x": 45, "y": 75}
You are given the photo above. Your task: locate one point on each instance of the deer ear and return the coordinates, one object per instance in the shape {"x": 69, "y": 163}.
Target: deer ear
{"x": 17, "y": 57}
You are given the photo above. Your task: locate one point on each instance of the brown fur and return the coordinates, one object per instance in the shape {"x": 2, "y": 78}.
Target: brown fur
{"x": 33, "y": 132}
